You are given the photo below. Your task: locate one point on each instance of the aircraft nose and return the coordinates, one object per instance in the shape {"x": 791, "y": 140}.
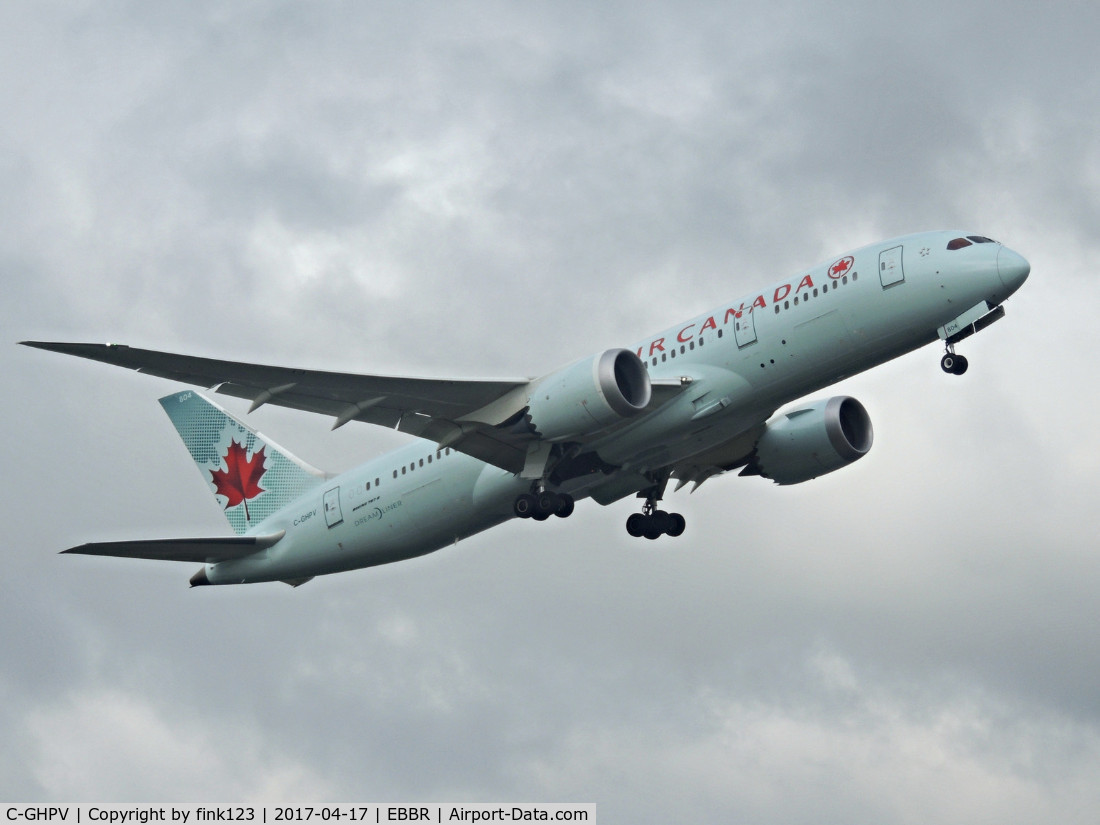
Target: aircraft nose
{"x": 1012, "y": 267}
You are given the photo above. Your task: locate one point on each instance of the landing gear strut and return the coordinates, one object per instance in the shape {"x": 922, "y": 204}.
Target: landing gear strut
{"x": 543, "y": 504}
{"x": 952, "y": 363}
{"x": 653, "y": 523}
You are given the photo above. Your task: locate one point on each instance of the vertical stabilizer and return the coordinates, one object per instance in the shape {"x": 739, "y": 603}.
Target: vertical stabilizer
{"x": 250, "y": 476}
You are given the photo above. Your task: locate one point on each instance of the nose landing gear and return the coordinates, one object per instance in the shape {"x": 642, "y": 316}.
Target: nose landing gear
{"x": 952, "y": 363}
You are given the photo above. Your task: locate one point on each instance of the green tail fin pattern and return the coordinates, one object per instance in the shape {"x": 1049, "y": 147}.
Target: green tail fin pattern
{"x": 249, "y": 475}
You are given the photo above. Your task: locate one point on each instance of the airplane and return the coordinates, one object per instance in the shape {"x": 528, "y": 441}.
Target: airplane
{"x": 694, "y": 401}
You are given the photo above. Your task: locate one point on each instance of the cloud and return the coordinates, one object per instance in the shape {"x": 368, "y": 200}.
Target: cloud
{"x": 488, "y": 190}
{"x": 110, "y": 745}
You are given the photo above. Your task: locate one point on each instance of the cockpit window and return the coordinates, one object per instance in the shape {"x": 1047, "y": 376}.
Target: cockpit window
{"x": 958, "y": 243}
{"x": 980, "y": 239}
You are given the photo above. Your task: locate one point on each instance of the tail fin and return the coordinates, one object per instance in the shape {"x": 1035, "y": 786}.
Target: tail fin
{"x": 250, "y": 476}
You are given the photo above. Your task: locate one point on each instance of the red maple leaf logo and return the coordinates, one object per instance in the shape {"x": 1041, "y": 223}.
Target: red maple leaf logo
{"x": 840, "y": 267}
{"x": 240, "y": 480}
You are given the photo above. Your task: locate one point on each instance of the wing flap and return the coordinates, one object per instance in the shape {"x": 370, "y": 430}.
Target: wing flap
{"x": 202, "y": 550}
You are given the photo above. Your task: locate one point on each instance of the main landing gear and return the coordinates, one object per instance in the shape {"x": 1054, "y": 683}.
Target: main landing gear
{"x": 541, "y": 505}
{"x": 653, "y": 523}
{"x": 952, "y": 363}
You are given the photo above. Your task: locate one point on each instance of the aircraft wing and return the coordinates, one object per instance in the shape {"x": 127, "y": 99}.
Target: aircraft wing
{"x": 427, "y": 407}
{"x": 203, "y": 550}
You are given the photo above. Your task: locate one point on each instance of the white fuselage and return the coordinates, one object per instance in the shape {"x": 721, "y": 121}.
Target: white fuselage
{"x": 744, "y": 360}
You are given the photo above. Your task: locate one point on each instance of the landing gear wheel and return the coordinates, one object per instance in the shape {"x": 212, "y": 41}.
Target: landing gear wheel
{"x": 656, "y": 524}
{"x": 524, "y": 505}
{"x": 543, "y": 505}
{"x": 660, "y": 521}
{"x": 954, "y": 364}
{"x": 651, "y": 522}
{"x": 546, "y": 503}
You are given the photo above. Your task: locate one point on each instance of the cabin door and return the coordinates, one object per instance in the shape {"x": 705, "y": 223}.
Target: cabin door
{"x": 333, "y": 515}
{"x": 744, "y": 329}
{"x": 890, "y": 269}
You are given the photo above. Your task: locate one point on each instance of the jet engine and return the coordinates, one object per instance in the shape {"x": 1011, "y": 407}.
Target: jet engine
{"x": 813, "y": 440}
{"x": 588, "y": 396}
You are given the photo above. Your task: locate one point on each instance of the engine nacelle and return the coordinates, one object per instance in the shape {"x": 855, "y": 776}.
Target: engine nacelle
{"x": 813, "y": 440}
{"x": 589, "y": 396}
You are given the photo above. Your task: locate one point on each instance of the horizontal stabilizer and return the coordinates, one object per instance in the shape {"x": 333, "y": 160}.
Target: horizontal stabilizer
{"x": 203, "y": 550}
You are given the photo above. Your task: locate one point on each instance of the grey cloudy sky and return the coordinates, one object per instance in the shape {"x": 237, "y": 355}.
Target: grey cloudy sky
{"x": 489, "y": 190}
